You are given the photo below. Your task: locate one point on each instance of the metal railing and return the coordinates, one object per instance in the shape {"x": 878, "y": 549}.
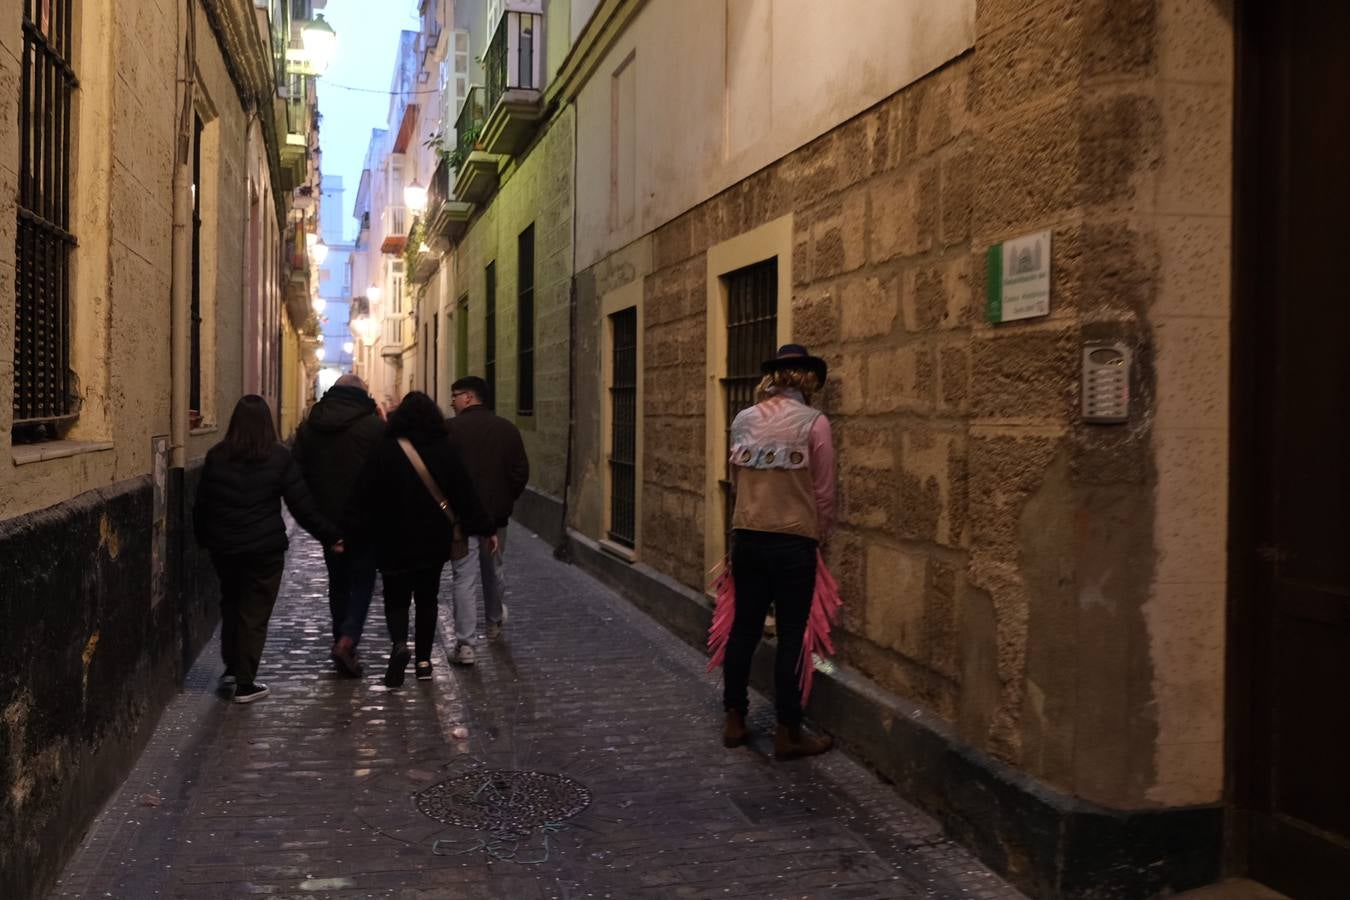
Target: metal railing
{"x": 395, "y": 220}
{"x": 439, "y": 189}
{"x": 393, "y": 331}
{"x": 512, "y": 60}
{"x": 42, "y": 379}
{"x": 752, "y": 329}
{"x": 469, "y": 123}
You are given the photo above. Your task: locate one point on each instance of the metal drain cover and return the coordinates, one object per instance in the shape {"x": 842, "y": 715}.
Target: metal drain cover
{"x": 499, "y": 800}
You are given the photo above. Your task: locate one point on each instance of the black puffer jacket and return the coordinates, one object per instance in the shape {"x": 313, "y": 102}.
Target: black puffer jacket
{"x": 333, "y": 443}
{"x": 239, "y": 504}
{"x": 393, "y": 510}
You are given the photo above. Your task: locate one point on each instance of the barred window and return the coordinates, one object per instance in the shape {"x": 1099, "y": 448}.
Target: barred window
{"x": 490, "y": 339}
{"x": 623, "y": 419}
{"x": 44, "y": 387}
{"x": 462, "y": 338}
{"x": 752, "y": 329}
{"x": 525, "y": 323}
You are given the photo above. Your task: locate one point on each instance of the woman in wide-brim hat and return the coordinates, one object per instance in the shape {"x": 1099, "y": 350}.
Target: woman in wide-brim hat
{"x": 782, "y": 463}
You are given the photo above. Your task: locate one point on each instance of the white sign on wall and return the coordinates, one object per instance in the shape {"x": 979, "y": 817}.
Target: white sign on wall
{"x": 1018, "y": 283}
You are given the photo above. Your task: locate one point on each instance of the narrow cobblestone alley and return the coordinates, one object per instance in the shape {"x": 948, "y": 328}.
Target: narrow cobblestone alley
{"x": 334, "y": 787}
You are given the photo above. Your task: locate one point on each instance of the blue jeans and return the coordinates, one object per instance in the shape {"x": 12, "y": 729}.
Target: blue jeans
{"x": 351, "y": 582}
{"x": 478, "y": 570}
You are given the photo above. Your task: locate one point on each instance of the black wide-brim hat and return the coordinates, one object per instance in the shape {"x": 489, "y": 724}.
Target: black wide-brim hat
{"x": 795, "y": 356}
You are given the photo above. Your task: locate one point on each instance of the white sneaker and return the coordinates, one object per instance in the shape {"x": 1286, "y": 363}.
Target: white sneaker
{"x": 463, "y": 655}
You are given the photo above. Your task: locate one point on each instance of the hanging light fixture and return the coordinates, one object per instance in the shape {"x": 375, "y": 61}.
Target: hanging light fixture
{"x": 415, "y": 196}
{"x": 320, "y": 44}
{"x": 373, "y": 293}
{"x": 320, "y": 252}
{"x": 348, "y": 346}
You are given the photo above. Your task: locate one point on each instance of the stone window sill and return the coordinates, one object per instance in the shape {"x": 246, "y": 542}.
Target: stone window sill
{"x": 204, "y": 429}
{"x": 32, "y": 453}
{"x": 618, "y": 550}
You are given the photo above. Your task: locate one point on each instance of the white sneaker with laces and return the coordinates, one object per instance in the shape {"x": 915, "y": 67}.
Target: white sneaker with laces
{"x": 464, "y": 655}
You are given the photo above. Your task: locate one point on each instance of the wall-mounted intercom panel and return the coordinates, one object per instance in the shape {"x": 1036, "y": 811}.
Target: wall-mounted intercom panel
{"x": 1106, "y": 382}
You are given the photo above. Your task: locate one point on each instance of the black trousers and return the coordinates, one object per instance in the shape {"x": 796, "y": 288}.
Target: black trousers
{"x": 778, "y": 569}
{"x": 248, "y": 591}
{"x": 399, "y": 590}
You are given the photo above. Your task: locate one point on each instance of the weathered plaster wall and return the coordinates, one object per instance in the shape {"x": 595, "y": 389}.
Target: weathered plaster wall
{"x": 123, "y": 158}
{"x": 1052, "y": 589}
{"x": 538, "y": 190}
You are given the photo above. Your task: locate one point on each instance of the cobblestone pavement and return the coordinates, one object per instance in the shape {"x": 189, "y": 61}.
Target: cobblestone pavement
{"x": 580, "y": 757}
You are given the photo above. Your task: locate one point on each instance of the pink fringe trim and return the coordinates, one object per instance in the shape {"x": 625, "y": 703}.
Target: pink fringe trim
{"x": 825, "y": 604}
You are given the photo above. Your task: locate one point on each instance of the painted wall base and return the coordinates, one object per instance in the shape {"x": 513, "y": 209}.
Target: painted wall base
{"x": 1047, "y": 843}
{"x": 88, "y": 660}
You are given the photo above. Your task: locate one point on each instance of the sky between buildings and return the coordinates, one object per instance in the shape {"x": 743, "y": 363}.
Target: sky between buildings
{"x": 367, "y": 34}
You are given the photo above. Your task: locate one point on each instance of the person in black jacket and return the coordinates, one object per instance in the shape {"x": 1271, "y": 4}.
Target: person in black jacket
{"x": 393, "y": 511}
{"x": 238, "y": 518}
{"x": 495, "y": 457}
{"x": 331, "y": 447}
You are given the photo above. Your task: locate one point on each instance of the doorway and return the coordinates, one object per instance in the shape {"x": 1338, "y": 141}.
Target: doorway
{"x": 1289, "y": 658}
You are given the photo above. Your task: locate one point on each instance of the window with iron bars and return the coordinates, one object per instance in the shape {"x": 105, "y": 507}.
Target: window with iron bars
{"x": 44, "y": 387}
{"x": 490, "y": 338}
{"x": 525, "y": 323}
{"x": 752, "y": 331}
{"x": 462, "y": 338}
{"x": 623, "y": 422}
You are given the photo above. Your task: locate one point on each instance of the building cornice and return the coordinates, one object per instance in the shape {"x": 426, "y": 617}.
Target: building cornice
{"x": 604, "y": 28}
{"x": 248, "y": 58}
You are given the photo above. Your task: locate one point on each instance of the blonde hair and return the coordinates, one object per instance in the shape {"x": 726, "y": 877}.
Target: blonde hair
{"x": 784, "y": 379}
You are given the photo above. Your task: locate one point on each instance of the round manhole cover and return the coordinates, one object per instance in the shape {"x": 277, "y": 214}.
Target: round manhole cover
{"x": 504, "y": 800}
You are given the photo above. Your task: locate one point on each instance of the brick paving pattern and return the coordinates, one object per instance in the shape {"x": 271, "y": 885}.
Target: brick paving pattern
{"x": 313, "y": 792}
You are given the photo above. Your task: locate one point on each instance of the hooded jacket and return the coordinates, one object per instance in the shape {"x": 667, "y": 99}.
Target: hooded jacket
{"x": 333, "y": 444}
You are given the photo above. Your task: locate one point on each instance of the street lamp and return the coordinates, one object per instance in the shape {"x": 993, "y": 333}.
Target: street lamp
{"x": 318, "y": 353}
{"x": 373, "y": 293}
{"x": 348, "y": 346}
{"x": 319, "y": 251}
{"x": 320, "y": 43}
{"x": 319, "y": 305}
{"x": 415, "y": 197}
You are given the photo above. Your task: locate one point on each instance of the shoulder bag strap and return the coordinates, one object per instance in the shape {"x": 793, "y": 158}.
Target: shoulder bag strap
{"x": 432, "y": 488}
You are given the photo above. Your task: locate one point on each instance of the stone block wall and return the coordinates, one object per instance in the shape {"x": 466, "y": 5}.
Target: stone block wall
{"x": 1030, "y": 578}
{"x": 536, "y": 190}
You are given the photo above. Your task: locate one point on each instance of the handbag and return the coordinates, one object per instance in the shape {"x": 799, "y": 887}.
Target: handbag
{"x": 459, "y": 542}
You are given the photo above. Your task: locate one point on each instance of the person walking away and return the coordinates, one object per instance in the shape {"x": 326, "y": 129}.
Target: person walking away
{"x": 331, "y": 447}
{"x": 495, "y": 456}
{"x": 237, "y": 517}
{"x": 782, "y": 456}
{"x": 409, "y": 524}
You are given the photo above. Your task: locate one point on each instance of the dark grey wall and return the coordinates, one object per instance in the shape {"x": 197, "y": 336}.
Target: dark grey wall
{"x": 87, "y": 661}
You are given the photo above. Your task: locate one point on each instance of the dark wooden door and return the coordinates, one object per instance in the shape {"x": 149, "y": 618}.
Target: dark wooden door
{"x": 1291, "y": 489}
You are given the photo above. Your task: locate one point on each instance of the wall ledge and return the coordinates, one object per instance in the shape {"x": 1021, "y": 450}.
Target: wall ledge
{"x": 24, "y": 454}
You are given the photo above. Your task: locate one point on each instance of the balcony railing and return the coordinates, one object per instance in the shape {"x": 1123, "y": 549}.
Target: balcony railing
{"x": 392, "y": 334}
{"x": 469, "y": 124}
{"x": 394, "y": 222}
{"x": 439, "y": 189}
{"x": 514, "y": 55}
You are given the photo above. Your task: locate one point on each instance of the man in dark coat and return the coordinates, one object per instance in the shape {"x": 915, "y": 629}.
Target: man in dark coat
{"x": 331, "y": 447}
{"x": 494, "y": 454}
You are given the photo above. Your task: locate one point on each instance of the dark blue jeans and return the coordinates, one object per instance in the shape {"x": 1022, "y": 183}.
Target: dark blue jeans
{"x": 778, "y": 569}
{"x": 351, "y": 581}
